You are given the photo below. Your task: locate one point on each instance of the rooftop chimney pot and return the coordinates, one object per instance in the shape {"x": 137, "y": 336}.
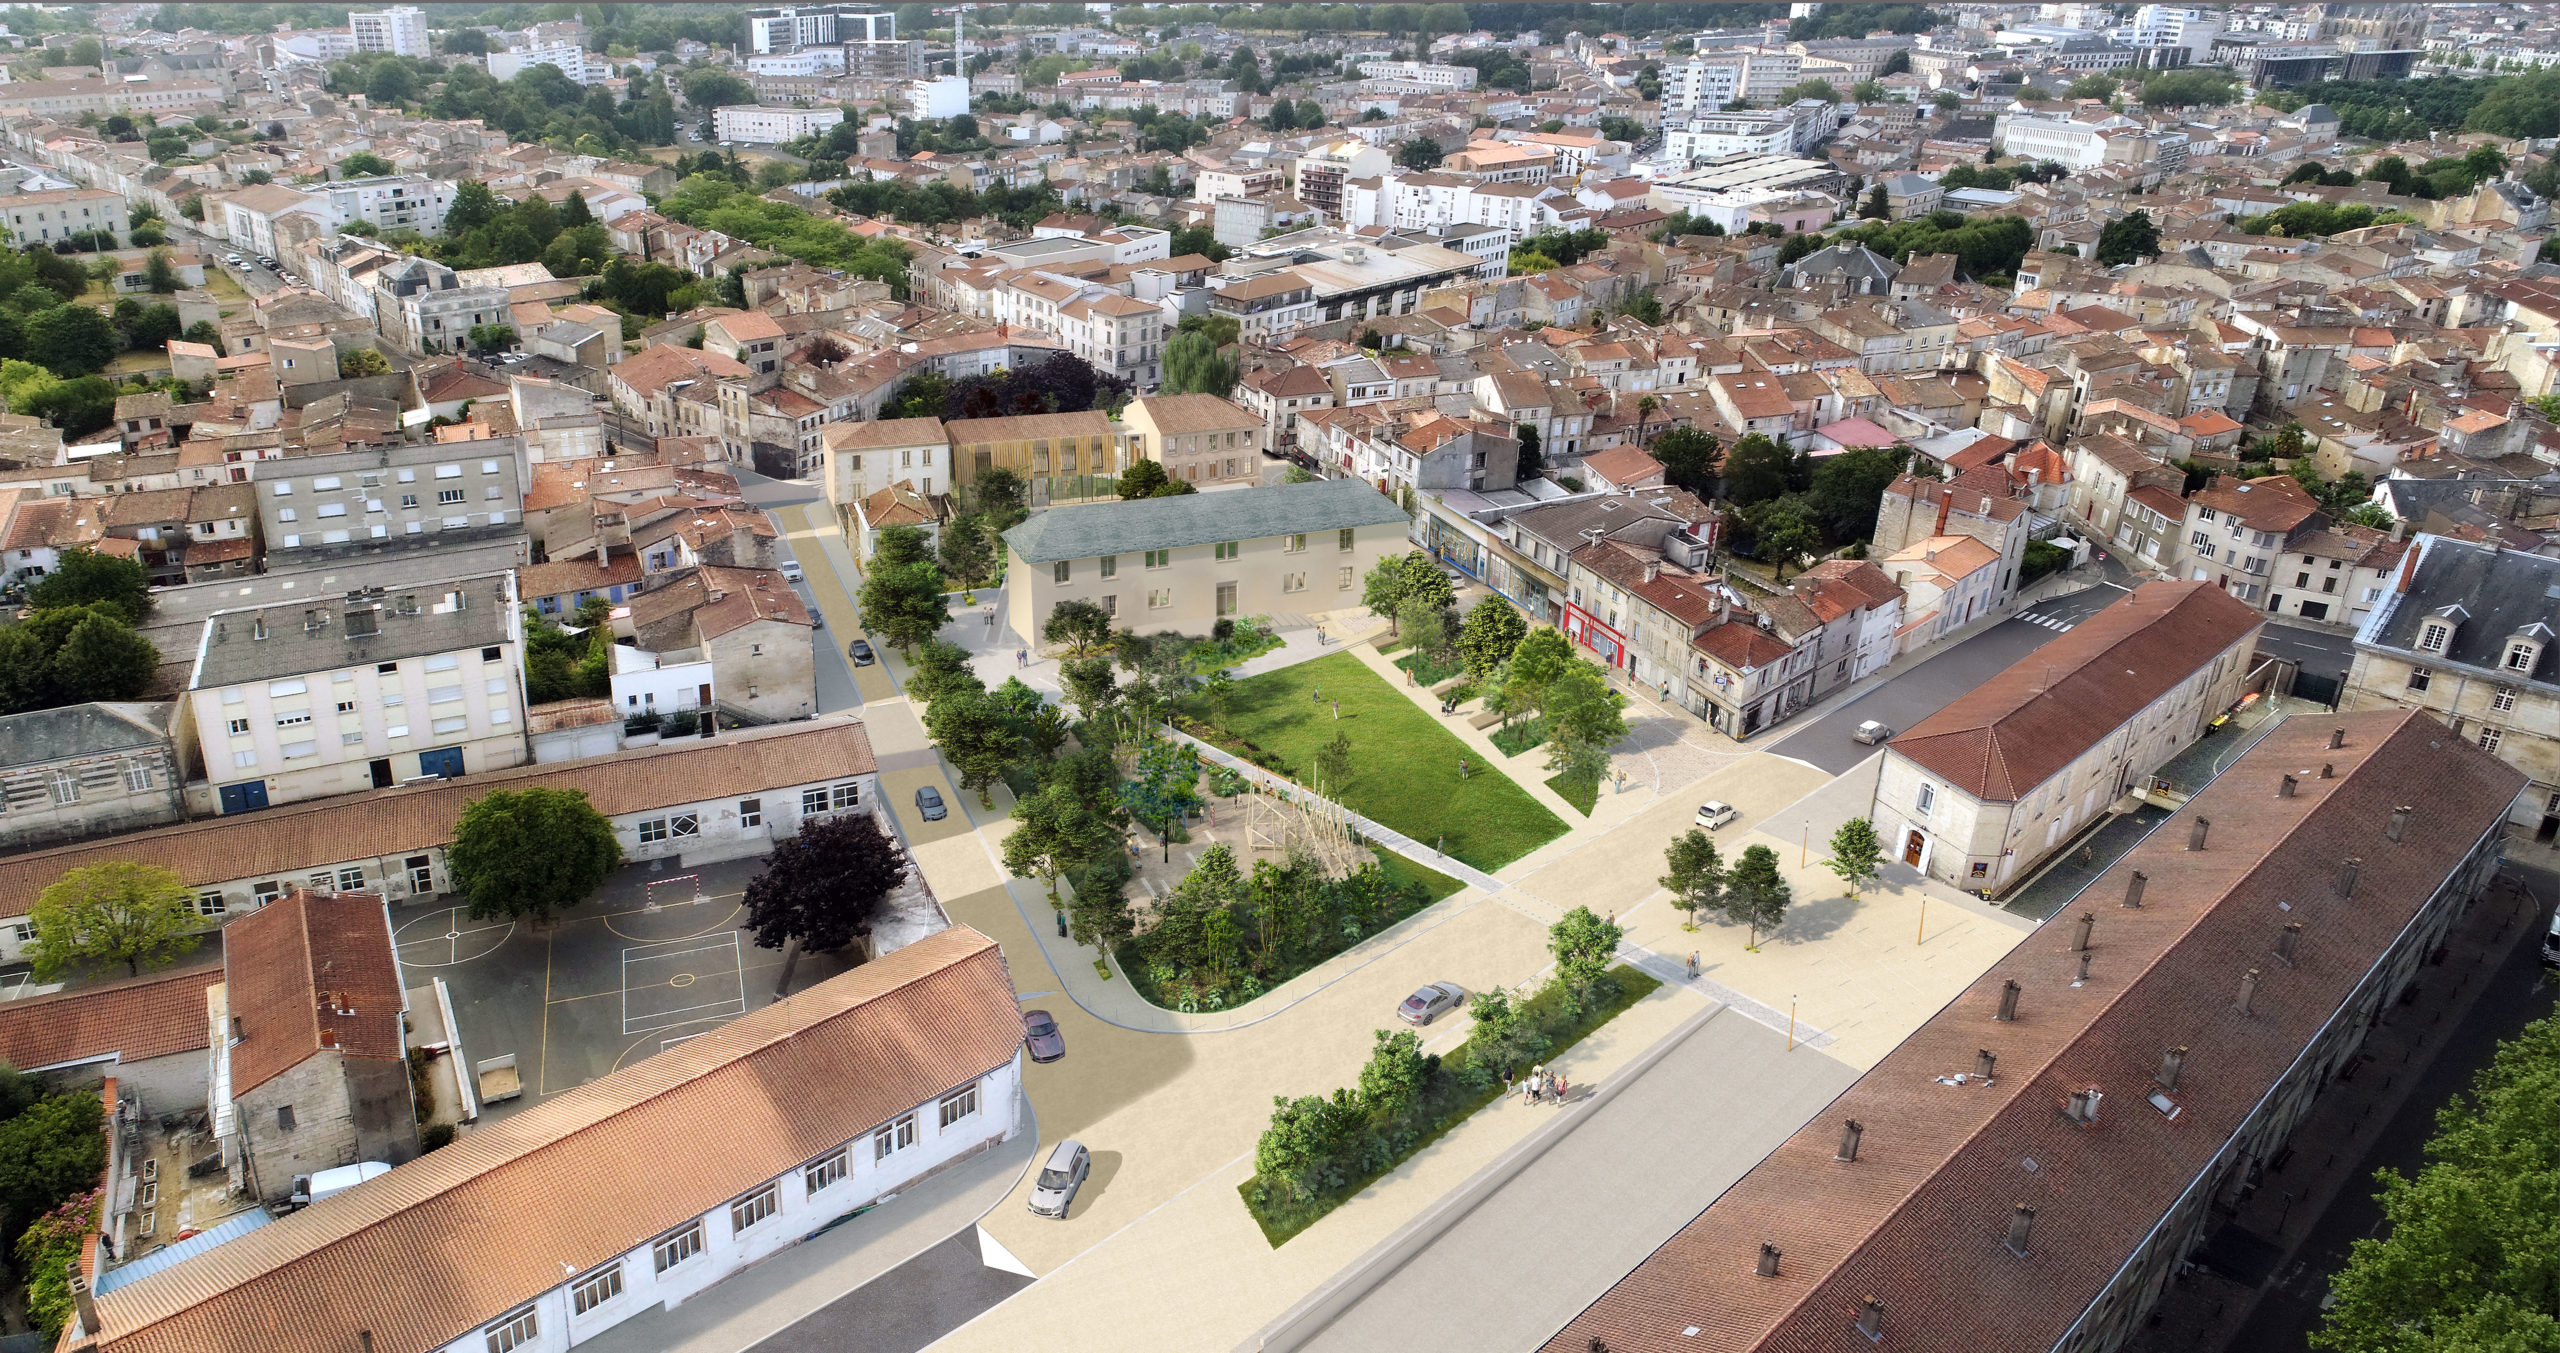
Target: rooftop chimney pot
{"x": 2172, "y": 1062}
{"x": 1768, "y": 1267}
{"x": 2328, "y": 770}
{"x": 2084, "y": 968}
{"x": 2133, "y": 888}
{"x": 2080, "y": 931}
{"x": 2196, "y": 833}
{"x": 1850, "y": 1132}
{"x": 1983, "y": 1062}
{"x": 2284, "y": 790}
{"x": 2347, "y": 870}
{"x": 2399, "y": 821}
{"x": 2337, "y": 738}
{"x": 2022, "y": 1224}
{"x": 1871, "y": 1320}
{"x": 2287, "y": 940}
{"x": 2008, "y": 1001}
{"x": 2248, "y": 989}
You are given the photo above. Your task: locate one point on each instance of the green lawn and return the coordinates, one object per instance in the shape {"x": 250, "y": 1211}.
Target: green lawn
{"x": 1521, "y": 736}
{"x": 1581, "y": 794}
{"x": 1404, "y": 765}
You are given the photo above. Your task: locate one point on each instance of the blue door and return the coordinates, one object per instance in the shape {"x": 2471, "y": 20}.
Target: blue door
{"x": 248, "y": 796}
{"x": 444, "y": 761}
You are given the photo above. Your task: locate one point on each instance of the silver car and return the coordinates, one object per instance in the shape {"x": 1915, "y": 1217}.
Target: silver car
{"x": 1871, "y": 733}
{"x": 1060, "y": 1176}
{"x": 1431, "y": 1003}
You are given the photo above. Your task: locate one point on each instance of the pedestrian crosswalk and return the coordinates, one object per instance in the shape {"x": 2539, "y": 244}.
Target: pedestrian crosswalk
{"x": 2052, "y": 622}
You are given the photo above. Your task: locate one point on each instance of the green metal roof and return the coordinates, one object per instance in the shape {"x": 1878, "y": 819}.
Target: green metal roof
{"x": 1089, "y": 530}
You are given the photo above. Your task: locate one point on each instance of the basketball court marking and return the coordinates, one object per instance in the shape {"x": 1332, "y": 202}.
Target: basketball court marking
{"x": 679, "y": 982}
{"x": 447, "y": 937}
{"x": 663, "y": 904}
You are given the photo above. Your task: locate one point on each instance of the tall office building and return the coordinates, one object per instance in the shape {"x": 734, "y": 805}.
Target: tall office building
{"x": 401, "y": 31}
{"x": 790, "y": 29}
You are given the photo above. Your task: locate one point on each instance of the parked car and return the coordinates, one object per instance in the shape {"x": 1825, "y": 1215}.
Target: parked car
{"x": 1871, "y": 733}
{"x": 1040, "y": 1034}
{"x": 929, "y": 803}
{"x": 1712, "y": 814}
{"x": 791, "y": 570}
{"x": 860, "y": 651}
{"x": 1064, "y": 1173}
{"x": 1431, "y": 1003}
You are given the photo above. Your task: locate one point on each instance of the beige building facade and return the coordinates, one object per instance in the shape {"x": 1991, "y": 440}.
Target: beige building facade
{"x": 1201, "y": 440}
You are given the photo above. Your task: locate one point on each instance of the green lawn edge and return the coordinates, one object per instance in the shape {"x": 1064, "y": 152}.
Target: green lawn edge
{"x": 1634, "y": 984}
{"x": 1582, "y": 794}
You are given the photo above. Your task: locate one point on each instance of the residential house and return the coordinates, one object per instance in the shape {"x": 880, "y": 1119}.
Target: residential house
{"x": 81, "y": 771}
{"x": 1199, "y": 439}
{"x": 2237, "y": 532}
{"x": 750, "y": 624}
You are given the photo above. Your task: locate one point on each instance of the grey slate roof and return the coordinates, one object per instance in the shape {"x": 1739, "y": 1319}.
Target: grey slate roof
{"x": 2503, "y": 594}
{"x": 47, "y": 735}
{"x": 1200, "y": 519}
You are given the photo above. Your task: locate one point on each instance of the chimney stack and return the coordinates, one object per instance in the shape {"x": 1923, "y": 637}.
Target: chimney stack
{"x": 1983, "y": 1062}
{"x": 1768, "y": 1260}
{"x": 2337, "y": 738}
{"x": 2008, "y": 1002}
{"x": 1871, "y": 1320}
{"x": 2248, "y": 989}
{"x": 1850, "y": 1132}
{"x": 365, "y": 1337}
{"x": 2084, "y": 969}
{"x": 2022, "y": 1223}
{"x": 2083, "y": 1106}
{"x": 2171, "y": 1063}
{"x": 2080, "y": 932}
{"x": 2399, "y": 821}
{"x": 2133, "y": 888}
{"x": 84, "y": 1303}
{"x": 2287, "y": 940}
{"x": 2284, "y": 790}
{"x": 2196, "y": 833}
{"x": 2347, "y": 875}
{"x": 2328, "y": 770}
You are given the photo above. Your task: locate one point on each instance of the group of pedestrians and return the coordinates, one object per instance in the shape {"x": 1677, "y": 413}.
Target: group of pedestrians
{"x": 1541, "y": 1087}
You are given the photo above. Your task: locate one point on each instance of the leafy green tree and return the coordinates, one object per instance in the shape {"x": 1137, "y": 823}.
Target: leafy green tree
{"x": 1583, "y": 945}
{"x": 1878, "y": 206}
{"x": 1333, "y": 765}
{"x": 138, "y": 915}
{"x": 904, "y": 604}
{"x": 1083, "y": 626}
{"x": 2097, "y": 87}
{"x": 363, "y": 362}
{"x": 968, "y": 556}
{"x": 1089, "y": 682}
{"x": 1784, "y": 537}
{"x": 2128, "y": 238}
{"x": 1054, "y": 830}
{"x": 2190, "y": 88}
{"x": 1695, "y": 873}
{"x": 1391, "y": 1081}
{"x": 1690, "y": 458}
{"x": 1532, "y": 462}
{"x": 158, "y": 273}
{"x": 71, "y": 340}
{"x": 1423, "y": 622}
{"x": 973, "y": 735}
{"x": 1541, "y": 657}
{"x": 83, "y": 576}
{"x": 52, "y": 1148}
{"x": 1218, "y": 692}
{"x": 530, "y": 852}
{"x": 1400, "y": 578}
{"x": 1295, "y": 1154}
{"x": 1161, "y": 789}
{"x": 1491, "y": 631}
{"x": 103, "y": 658}
{"x": 1100, "y": 915}
{"x": 1855, "y": 854}
{"x": 1755, "y": 470}
{"x": 366, "y": 164}
{"x": 900, "y": 546}
{"x": 1583, "y": 722}
{"x": 1419, "y": 154}
{"x": 1192, "y": 366}
{"x": 938, "y": 665}
{"x": 492, "y": 337}
{"x": 1144, "y": 479}
{"x": 822, "y": 889}
{"x": 1002, "y": 499}
{"x": 1755, "y": 893}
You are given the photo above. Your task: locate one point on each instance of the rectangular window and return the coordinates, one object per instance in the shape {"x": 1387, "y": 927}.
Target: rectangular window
{"x": 1226, "y": 549}
{"x": 1294, "y": 544}
{"x": 137, "y": 779}
{"x": 2433, "y": 636}
{"x": 1928, "y": 798}
{"x": 820, "y": 1173}
{"x": 595, "y": 1291}
{"x": 284, "y": 1118}
{"x": 239, "y": 727}
{"x": 1293, "y": 582}
{"x": 893, "y": 1137}
{"x": 1346, "y": 539}
{"x": 2489, "y": 738}
{"x": 455, "y": 724}
{"x": 444, "y": 496}
{"x": 1111, "y": 566}
{"x": 750, "y": 812}
{"x": 2420, "y": 678}
{"x": 242, "y": 760}
{"x": 845, "y": 795}
{"x": 2503, "y": 699}
{"x": 654, "y": 829}
{"x": 1058, "y": 571}
{"x": 1158, "y": 598}
{"x": 210, "y": 903}
{"x": 1344, "y": 578}
{"x": 513, "y": 1332}
{"x": 959, "y": 1104}
{"x": 677, "y": 1248}
{"x": 753, "y": 1208}
{"x": 440, "y": 695}
{"x": 813, "y": 801}
{"x": 1111, "y": 605}
{"x": 1159, "y": 558}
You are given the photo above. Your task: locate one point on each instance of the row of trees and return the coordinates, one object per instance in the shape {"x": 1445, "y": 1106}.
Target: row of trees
{"x": 77, "y": 643}
{"x": 1222, "y": 938}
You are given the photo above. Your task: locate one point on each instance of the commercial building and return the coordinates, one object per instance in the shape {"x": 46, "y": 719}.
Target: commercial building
{"x": 2464, "y": 632}
{"x": 760, "y": 125}
{"x": 335, "y": 694}
{"x": 1199, "y": 439}
{"x": 671, "y": 1174}
{"x": 1350, "y": 276}
{"x": 792, "y": 28}
{"x": 938, "y": 97}
{"x": 400, "y": 31}
{"x": 1183, "y": 563}
{"x": 725, "y": 798}
{"x": 1979, "y": 792}
{"x": 2150, "y": 1053}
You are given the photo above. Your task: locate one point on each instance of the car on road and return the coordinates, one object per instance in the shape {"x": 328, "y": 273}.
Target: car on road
{"x": 791, "y": 570}
{"x": 860, "y": 651}
{"x": 1431, "y": 1003}
{"x": 1064, "y": 1173}
{"x": 929, "y": 803}
{"x": 1871, "y": 733}
{"x": 1712, "y": 814}
{"x": 1040, "y": 1034}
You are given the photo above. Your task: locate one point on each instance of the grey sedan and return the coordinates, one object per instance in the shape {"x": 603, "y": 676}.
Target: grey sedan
{"x": 1431, "y": 1003}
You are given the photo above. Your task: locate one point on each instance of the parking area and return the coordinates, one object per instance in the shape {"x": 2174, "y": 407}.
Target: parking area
{"x": 656, "y": 958}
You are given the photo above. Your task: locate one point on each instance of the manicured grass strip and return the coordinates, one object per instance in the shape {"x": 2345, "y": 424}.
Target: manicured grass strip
{"x": 1582, "y": 794}
{"x": 1404, "y": 871}
{"x": 1521, "y": 736}
{"x": 1431, "y": 670}
{"x": 1404, "y": 765}
{"x": 1446, "y": 1102}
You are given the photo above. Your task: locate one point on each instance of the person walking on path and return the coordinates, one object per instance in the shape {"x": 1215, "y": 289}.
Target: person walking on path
{"x": 1693, "y": 965}
{"x": 1564, "y": 1090}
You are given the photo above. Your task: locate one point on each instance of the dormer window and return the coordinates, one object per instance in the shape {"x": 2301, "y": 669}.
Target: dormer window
{"x": 2522, "y": 654}
{"x": 2433, "y": 636}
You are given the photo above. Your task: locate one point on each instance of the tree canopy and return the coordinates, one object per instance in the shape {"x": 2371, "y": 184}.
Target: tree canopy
{"x": 530, "y": 852}
{"x": 823, "y": 888}
{"x": 118, "y": 913}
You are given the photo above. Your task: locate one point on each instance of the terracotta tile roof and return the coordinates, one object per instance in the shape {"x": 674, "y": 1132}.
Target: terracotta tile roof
{"x": 963, "y": 431}
{"x": 1918, "y": 1221}
{"x": 652, "y": 368}
{"x": 1625, "y": 466}
{"x": 562, "y": 577}
{"x": 308, "y": 972}
{"x": 1835, "y": 587}
{"x": 2275, "y": 502}
{"x": 288, "y": 840}
{"x": 156, "y": 1016}
{"x": 2000, "y": 740}
{"x": 425, "y": 1254}
{"x": 1740, "y": 643}
{"x": 1174, "y": 415}
{"x": 889, "y": 433}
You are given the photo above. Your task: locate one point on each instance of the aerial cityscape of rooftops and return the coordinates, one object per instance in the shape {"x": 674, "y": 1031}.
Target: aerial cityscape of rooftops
{"x": 1097, "y": 677}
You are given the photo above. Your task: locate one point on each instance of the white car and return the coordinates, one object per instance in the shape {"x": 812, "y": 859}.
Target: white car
{"x": 1712, "y": 814}
{"x": 1054, "y": 1191}
{"x": 1871, "y": 733}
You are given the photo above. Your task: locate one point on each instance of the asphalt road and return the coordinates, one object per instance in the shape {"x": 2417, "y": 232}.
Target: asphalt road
{"x": 2322, "y": 653}
{"x": 1914, "y": 695}
{"x": 905, "y": 1308}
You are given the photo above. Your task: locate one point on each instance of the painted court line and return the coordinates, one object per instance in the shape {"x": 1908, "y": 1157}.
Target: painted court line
{"x": 666, "y": 1019}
